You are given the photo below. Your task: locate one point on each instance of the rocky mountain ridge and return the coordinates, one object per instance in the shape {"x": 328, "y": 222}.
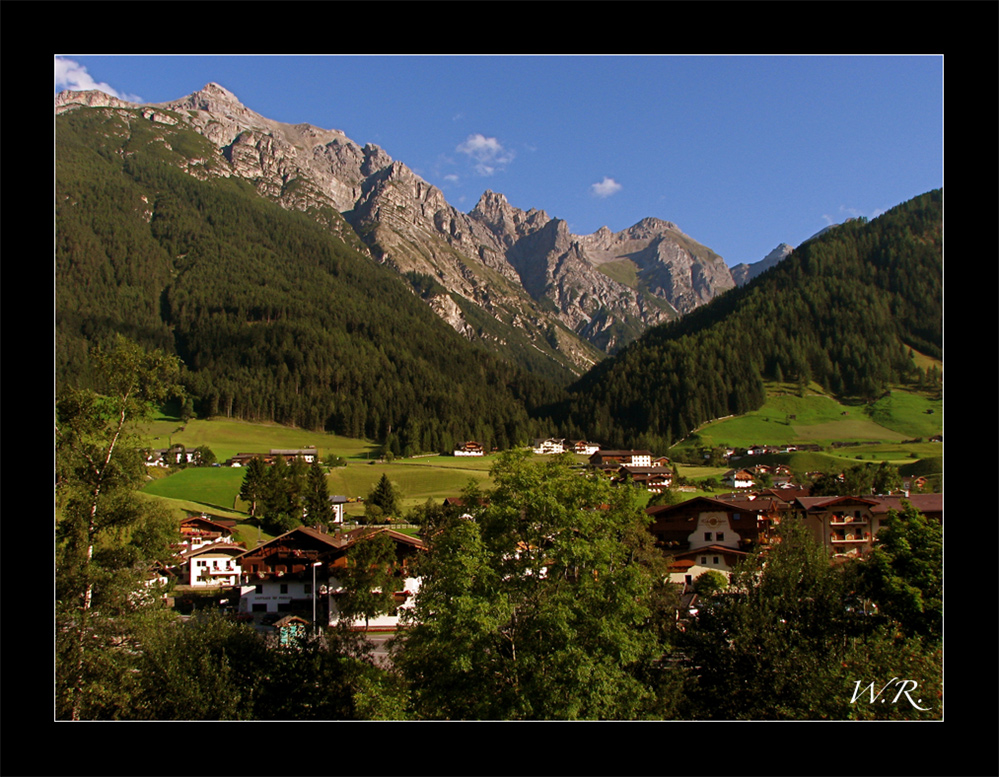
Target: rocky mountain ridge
{"x": 743, "y": 273}
{"x": 494, "y": 274}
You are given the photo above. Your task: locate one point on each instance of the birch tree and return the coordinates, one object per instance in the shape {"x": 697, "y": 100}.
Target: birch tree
{"x": 106, "y": 536}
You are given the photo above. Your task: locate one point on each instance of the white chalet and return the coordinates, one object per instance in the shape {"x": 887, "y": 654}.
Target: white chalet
{"x": 200, "y": 530}
{"x": 738, "y": 478}
{"x": 212, "y": 566}
{"x": 584, "y": 448}
{"x": 609, "y": 459}
{"x": 298, "y": 571}
{"x": 548, "y": 446}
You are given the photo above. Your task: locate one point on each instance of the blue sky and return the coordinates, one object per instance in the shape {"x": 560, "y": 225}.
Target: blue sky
{"x": 741, "y": 152}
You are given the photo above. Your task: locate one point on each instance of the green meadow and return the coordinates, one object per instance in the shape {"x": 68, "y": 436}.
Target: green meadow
{"x": 227, "y": 437}
{"x": 896, "y": 428}
{"x": 417, "y": 479}
{"x": 215, "y": 490}
{"x": 818, "y": 418}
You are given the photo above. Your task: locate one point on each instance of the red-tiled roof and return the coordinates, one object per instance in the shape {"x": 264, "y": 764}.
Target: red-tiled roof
{"x": 825, "y": 502}
{"x": 217, "y": 547}
{"x": 924, "y": 503}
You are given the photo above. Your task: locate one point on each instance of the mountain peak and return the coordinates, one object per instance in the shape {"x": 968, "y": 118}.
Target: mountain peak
{"x": 212, "y": 98}
{"x": 217, "y": 90}
{"x": 744, "y": 273}
{"x": 491, "y": 199}
{"x": 652, "y": 223}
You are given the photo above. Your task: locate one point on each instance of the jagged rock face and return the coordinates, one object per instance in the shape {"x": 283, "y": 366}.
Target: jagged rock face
{"x": 566, "y": 269}
{"x": 509, "y": 224}
{"x": 521, "y": 267}
{"x": 448, "y": 310}
{"x": 670, "y": 264}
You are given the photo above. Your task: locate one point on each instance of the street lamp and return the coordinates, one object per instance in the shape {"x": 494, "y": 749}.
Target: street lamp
{"x": 314, "y": 565}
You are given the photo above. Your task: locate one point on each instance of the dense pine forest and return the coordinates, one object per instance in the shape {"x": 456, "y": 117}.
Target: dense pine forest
{"x": 274, "y": 316}
{"x": 845, "y": 310}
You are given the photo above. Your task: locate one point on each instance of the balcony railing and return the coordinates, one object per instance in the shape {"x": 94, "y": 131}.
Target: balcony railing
{"x": 843, "y": 520}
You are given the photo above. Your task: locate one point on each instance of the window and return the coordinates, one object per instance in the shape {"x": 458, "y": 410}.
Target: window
{"x": 714, "y": 560}
{"x": 258, "y": 589}
{"x": 720, "y": 536}
{"x": 704, "y": 559}
{"x": 260, "y": 608}
{"x": 284, "y": 588}
{"x": 707, "y": 535}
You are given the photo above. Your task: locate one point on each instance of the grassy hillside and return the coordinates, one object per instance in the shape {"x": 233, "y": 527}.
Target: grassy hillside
{"x": 227, "y": 437}
{"x": 215, "y": 490}
{"x": 895, "y": 428}
{"x": 819, "y": 418}
{"x": 893, "y": 422}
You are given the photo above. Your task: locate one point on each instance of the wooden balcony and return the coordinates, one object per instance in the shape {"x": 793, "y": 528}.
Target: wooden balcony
{"x": 849, "y": 539}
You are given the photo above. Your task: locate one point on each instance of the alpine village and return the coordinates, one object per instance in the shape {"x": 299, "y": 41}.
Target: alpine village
{"x": 328, "y": 448}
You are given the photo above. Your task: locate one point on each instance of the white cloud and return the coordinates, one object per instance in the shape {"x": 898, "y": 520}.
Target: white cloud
{"x": 73, "y": 76}
{"x": 605, "y": 188}
{"x": 852, "y": 213}
{"x": 487, "y": 153}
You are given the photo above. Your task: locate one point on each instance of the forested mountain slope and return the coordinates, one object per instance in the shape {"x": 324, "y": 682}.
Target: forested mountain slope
{"x": 842, "y": 310}
{"x": 274, "y": 315}
{"x": 516, "y": 282}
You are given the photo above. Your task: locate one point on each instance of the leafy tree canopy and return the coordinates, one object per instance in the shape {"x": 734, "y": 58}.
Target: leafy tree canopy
{"x": 903, "y": 573}
{"x": 547, "y": 604}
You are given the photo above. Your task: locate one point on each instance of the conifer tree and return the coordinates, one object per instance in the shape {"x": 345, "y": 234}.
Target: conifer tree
{"x": 385, "y": 496}
{"x": 317, "y": 498}
{"x": 253, "y": 489}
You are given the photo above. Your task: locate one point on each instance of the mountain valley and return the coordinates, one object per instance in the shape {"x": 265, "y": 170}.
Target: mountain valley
{"x": 308, "y": 280}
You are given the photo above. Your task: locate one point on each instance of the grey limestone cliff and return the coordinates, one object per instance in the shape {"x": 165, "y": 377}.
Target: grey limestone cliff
{"x": 570, "y": 295}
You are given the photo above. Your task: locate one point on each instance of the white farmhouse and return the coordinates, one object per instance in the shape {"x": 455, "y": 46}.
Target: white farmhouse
{"x": 549, "y": 446}
{"x": 213, "y": 566}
